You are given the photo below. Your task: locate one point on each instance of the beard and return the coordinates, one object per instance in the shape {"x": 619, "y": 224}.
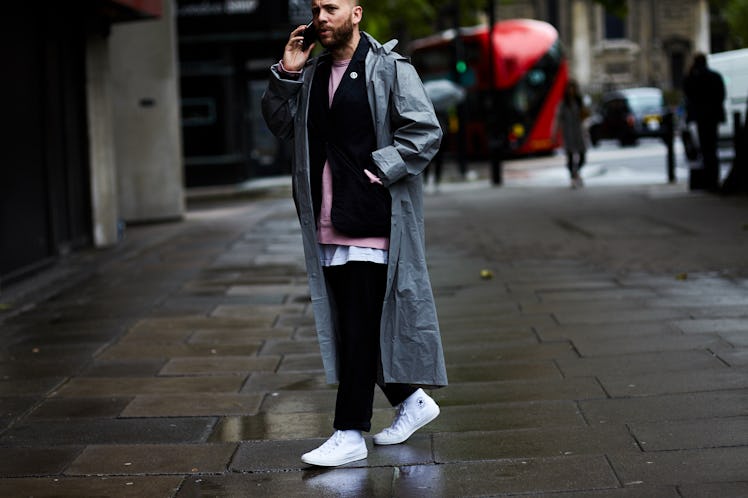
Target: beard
{"x": 339, "y": 37}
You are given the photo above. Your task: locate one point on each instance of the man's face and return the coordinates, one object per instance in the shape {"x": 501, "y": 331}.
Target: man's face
{"x": 335, "y": 21}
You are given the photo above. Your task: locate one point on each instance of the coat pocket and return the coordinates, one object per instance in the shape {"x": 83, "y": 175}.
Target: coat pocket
{"x": 360, "y": 208}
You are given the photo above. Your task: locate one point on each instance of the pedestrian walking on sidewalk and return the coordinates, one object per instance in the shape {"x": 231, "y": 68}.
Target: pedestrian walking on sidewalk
{"x": 571, "y": 114}
{"x": 705, "y": 96}
{"x": 362, "y": 130}
{"x": 437, "y": 162}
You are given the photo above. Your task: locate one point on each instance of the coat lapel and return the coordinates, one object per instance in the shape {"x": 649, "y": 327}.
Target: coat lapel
{"x": 356, "y": 66}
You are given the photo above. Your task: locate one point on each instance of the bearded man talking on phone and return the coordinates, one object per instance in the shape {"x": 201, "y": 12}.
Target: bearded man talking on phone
{"x": 362, "y": 130}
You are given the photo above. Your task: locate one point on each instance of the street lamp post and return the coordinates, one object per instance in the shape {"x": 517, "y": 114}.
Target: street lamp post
{"x": 457, "y": 71}
{"x": 494, "y": 130}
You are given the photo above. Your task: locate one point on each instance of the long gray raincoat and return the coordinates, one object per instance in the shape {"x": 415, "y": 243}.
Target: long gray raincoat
{"x": 408, "y": 135}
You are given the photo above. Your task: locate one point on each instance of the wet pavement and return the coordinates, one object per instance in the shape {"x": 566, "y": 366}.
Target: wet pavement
{"x": 596, "y": 343}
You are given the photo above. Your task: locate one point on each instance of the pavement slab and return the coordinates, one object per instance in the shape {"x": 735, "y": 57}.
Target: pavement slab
{"x": 737, "y": 357}
{"x": 193, "y": 405}
{"x": 262, "y": 381}
{"x": 220, "y": 365}
{"x": 682, "y": 467}
{"x": 154, "y": 459}
{"x": 132, "y": 350}
{"x": 456, "y": 447}
{"x": 477, "y": 393}
{"x": 72, "y": 408}
{"x": 288, "y": 346}
{"x": 13, "y": 406}
{"x": 92, "y": 487}
{"x": 609, "y": 331}
{"x": 29, "y": 387}
{"x": 108, "y": 431}
{"x": 691, "y": 434}
{"x": 82, "y": 387}
{"x": 38, "y": 461}
{"x": 488, "y": 353}
{"x": 503, "y": 370}
{"x": 715, "y": 490}
{"x": 675, "y": 382}
{"x": 124, "y": 368}
{"x": 639, "y": 363}
{"x": 602, "y": 346}
{"x": 627, "y": 315}
{"x": 682, "y": 406}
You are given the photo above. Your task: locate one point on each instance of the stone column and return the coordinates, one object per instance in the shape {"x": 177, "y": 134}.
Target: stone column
{"x": 702, "y": 31}
{"x": 101, "y": 142}
{"x": 581, "y": 44}
{"x": 148, "y": 146}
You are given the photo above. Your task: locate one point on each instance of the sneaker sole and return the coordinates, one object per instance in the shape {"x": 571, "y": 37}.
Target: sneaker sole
{"x": 334, "y": 463}
{"x": 406, "y": 436}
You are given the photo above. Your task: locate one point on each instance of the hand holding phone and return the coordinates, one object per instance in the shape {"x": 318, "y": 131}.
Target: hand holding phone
{"x": 310, "y": 36}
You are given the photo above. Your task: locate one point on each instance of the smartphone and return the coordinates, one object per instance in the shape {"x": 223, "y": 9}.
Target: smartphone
{"x": 310, "y": 35}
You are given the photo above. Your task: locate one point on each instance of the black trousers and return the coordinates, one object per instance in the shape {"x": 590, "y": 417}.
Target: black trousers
{"x": 571, "y": 165}
{"x": 358, "y": 293}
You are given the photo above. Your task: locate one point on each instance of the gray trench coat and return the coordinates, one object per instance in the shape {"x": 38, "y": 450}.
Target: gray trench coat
{"x": 408, "y": 135}
{"x": 572, "y": 129}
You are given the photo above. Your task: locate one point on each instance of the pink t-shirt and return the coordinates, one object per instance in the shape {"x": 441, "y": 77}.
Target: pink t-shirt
{"x": 326, "y": 232}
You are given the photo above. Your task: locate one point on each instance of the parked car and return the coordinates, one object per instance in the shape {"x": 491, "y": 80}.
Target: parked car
{"x": 626, "y": 115}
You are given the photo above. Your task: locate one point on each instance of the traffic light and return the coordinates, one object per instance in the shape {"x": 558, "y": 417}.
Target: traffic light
{"x": 461, "y": 67}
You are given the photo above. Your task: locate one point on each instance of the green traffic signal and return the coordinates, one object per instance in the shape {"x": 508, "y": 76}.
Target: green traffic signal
{"x": 461, "y": 67}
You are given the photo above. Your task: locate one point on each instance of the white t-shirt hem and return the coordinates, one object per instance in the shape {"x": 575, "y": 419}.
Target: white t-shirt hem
{"x": 336, "y": 255}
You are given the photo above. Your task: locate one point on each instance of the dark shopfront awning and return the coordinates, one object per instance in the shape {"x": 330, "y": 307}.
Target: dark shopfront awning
{"x": 128, "y": 10}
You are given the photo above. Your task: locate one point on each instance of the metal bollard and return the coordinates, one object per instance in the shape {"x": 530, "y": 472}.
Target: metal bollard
{"x": 668, "y": 135}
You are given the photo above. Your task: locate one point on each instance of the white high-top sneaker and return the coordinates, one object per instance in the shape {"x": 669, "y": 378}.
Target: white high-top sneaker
{"x": 342, "y": 447}
{"x": 415, "y": 412}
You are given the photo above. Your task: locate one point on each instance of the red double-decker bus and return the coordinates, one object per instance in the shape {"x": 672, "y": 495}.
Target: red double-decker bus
{"x": 529, "y": 76}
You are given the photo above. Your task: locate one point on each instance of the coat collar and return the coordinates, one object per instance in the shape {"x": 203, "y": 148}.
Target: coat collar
{"x": 373, "y": 45}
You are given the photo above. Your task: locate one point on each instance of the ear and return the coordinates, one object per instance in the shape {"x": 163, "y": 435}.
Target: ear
{"x": 357, "y": 14}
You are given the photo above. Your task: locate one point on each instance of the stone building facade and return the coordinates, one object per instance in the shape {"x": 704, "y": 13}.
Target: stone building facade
{"x": 651, "y": 46}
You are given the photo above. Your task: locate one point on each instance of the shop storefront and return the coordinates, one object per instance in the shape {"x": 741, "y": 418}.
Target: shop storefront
{"x": 226, "y": 48}
{"x": 45, "y": 192}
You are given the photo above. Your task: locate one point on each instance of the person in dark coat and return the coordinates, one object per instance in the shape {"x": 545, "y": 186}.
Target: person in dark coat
{"x": 705, "y": 96}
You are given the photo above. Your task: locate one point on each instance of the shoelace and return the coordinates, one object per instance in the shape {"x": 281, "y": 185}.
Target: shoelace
{"x": 402, "y": 414}
{"x": 332, "y": 443}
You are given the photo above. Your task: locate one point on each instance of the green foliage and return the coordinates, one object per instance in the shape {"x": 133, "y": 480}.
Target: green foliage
{"x": 736, "y": 14}
{"x": 409, "y": 19}
{"x": 386, "y": 19}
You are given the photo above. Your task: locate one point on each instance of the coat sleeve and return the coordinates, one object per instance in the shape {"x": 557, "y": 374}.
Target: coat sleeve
{"x": 280, "y": 103}
{"x": 415, "y": 128}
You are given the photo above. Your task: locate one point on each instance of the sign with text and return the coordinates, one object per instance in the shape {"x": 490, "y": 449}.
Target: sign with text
{"x": 198, "y": 17}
